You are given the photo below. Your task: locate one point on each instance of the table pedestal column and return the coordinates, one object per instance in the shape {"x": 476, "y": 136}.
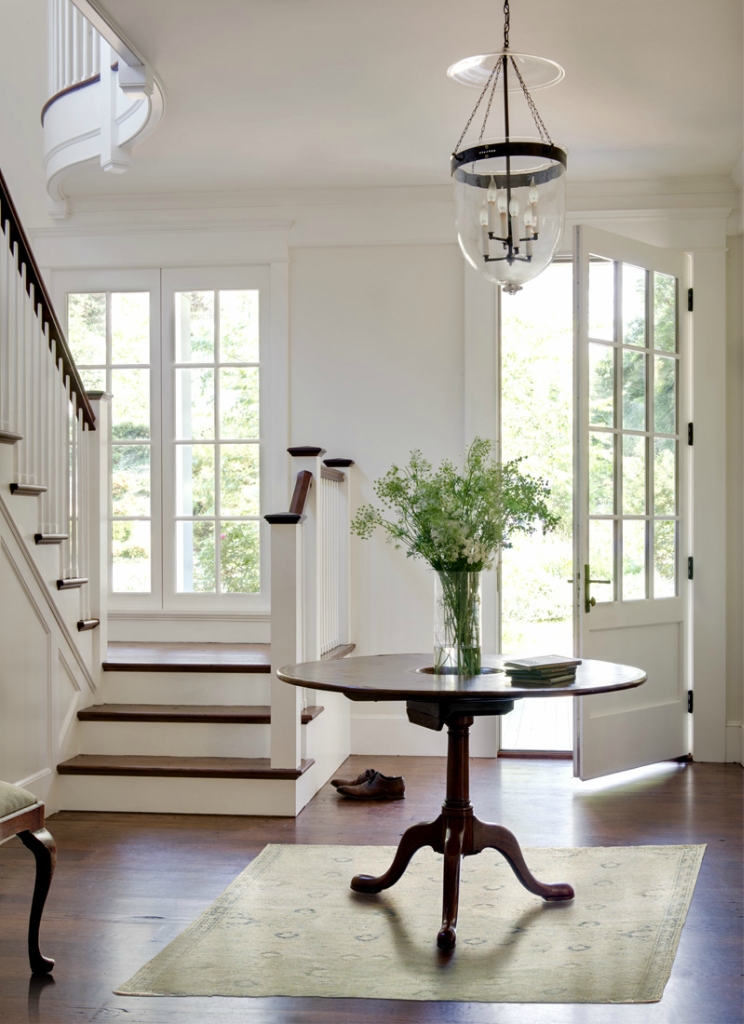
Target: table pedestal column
{"x": 457, "y": 833}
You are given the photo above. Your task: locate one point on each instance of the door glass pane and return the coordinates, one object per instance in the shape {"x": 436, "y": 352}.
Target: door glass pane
{"x": 194, "y": 327}
{"x": 130, "y": 327}
{"x": 194, "y": 404}
{"x": 634, "y": 305}
{"x": 130, "y": 407}
{"x": 634, "y": 391}
{"x": 601, "y": 385}
{"x": 239, "y": 326}
{"x": 601, "y": 299}
{"x": 601, "y": 558}
{"x": 665, "y": 477}
{"x": 601, "y": 474}
{"x": 239, "y": 486}
{"x": 665, "y": 312}
{"x": 634, "y": 559}
{"x": 634, "y": 475}
{"x": 239, "y": 558}
{"x": 195, "y": 479}
{"x": 86, "y": 328}
{"x": 239, "y": 403}
{"x": 130, "y": 480}
{"x": 130, "y": 544}
{"x": 665, "y": 558}
{"x": 665, "y": 394}
{"x": 196, "y": 557}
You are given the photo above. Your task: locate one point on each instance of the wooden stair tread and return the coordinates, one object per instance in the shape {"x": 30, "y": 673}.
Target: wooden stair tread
{"x": 186, "y": 657}
{"x": 131, "y": 656}
{"x": 244, "y": 714}
{"x": 179, "y": 767}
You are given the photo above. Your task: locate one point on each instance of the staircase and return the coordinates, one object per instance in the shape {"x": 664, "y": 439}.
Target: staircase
{"x": 153, "y": 724}
{"x": 193, "y": 728}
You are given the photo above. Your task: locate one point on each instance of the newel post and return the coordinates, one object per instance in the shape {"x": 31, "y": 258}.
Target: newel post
{"x": 96, "y": 510}
{"x": 309, "y": 459}
{"x": 286, "y": 637}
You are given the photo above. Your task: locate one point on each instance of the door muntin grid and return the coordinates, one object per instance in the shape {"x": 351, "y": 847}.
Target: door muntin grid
{"x": 634, "y": 439}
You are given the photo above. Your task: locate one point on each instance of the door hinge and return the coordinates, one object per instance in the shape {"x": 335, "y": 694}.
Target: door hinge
{"x": 690, "y": 568}
{"x": 689, "y": 702}
{"x": 689, "y": 300}
{"x": 690, "y": 433}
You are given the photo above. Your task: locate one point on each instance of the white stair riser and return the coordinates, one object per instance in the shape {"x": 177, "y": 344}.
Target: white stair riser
{"x": 153, "y": 795}
{"x": 185, "y": 688}
{"x": 175, "y": 739}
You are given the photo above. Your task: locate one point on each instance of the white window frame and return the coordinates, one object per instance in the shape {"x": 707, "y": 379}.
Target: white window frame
{"x": 162, "y": 284}
{"x": 206, "y": 279}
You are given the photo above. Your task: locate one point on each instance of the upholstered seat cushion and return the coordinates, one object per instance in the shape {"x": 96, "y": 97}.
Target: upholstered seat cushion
{"x": 13, "y": 798}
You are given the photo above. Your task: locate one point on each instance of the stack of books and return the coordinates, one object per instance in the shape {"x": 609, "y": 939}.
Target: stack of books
{"x": 547, "y": 670}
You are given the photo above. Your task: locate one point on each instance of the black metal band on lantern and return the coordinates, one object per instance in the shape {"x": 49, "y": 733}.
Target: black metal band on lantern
{"x": 514, "y": 179}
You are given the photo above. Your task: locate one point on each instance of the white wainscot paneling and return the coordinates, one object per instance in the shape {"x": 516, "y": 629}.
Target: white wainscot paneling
{"x": 25, "y": 683}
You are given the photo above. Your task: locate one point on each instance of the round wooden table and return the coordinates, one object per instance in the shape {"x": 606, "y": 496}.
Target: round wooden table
{"x": 432, "y": 702}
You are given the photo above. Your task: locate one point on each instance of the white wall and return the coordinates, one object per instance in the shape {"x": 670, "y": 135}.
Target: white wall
{"x": 376, "y": 351}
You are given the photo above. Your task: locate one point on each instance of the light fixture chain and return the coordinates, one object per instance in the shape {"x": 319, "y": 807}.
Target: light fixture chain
{"x": 507, "y": 14}
{"x": 475, "y": 108}
{"x": 495, "y": 77}
{"x": 540, "y": 124}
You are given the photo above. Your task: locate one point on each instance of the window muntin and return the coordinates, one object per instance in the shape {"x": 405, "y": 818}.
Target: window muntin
{"x": 633, "y": 370}
{"x": 109, "y": 335}
{"x": 216, "y": 377}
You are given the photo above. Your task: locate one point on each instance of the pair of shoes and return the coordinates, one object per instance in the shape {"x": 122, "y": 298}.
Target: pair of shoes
{"x": 354, "y": 782}
{"x": 375, "y": 786}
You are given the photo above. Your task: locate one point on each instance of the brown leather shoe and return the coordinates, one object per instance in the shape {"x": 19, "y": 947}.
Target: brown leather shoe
{"x": 354, "y": 782}
{"x": 377, "y": 787}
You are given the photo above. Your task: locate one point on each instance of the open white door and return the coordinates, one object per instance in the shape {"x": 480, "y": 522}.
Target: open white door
{"x": 631, "y": 513}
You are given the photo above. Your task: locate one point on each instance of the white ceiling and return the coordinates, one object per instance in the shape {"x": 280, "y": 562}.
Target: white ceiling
{"x": 354, "y": 92}
{"x": 345, "y": 93}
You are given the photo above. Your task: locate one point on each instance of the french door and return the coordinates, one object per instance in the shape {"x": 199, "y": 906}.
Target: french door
{"x": 631, "y": 497}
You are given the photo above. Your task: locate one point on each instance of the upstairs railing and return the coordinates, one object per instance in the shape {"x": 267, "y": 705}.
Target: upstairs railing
{"x": 44, "y": 410}
{"x": 74, "y": 47}
{"x": 310, "y": 587}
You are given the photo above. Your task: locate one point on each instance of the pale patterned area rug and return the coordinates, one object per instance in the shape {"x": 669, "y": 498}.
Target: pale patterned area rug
{"x": 290, "y": 926}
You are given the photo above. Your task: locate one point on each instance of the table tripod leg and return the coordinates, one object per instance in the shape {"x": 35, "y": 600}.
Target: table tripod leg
{"x": 499, "y": 838}
{"x": 415, "y": 838}
{"x": 453, "y": 848}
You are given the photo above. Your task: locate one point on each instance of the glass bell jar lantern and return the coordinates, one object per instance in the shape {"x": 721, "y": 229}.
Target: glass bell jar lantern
{"x": 510, "y": 192}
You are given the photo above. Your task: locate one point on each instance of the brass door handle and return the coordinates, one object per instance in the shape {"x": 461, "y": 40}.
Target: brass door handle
{"x": 590, "y": 602}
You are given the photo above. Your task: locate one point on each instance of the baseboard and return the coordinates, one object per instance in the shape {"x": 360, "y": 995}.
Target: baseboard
{"x": 735, "y": 742}
{"x": 394, "y": 735}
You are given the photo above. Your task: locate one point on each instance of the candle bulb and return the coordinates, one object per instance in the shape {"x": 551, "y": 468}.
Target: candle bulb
{"x": 491, "y": 200}
{"x": 501, "y": 204}
{"x": 533, "y": 195}
{"x": 514, "y": 213}
{"x": 485, "y": 247}
{"x": 528, "y": 231}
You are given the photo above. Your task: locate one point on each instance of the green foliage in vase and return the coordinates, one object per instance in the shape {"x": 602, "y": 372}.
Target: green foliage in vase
{"x": 457, "y": 520}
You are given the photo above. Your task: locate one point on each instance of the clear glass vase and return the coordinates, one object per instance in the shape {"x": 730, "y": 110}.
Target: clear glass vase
{"x": 457, "y": 623}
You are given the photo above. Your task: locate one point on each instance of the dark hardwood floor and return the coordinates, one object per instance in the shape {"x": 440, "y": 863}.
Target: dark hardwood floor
{"x": 127, "y": 884}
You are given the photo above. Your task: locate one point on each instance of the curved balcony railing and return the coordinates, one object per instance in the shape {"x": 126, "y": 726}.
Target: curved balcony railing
{"x": 104, "y": 99}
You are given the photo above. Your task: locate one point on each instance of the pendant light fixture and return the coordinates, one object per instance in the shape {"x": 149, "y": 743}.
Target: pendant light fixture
{"x": 510, "y": 193}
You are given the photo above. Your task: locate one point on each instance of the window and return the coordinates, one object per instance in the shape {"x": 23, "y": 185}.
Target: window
{"x": 187, "y": 428}
{"x": 217, "y": 441}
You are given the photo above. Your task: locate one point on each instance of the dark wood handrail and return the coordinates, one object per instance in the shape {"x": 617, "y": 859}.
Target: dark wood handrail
{"x": 328, "y": 473}
{"x": 299, "y": 495}
{"x": 43, "y": 302}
